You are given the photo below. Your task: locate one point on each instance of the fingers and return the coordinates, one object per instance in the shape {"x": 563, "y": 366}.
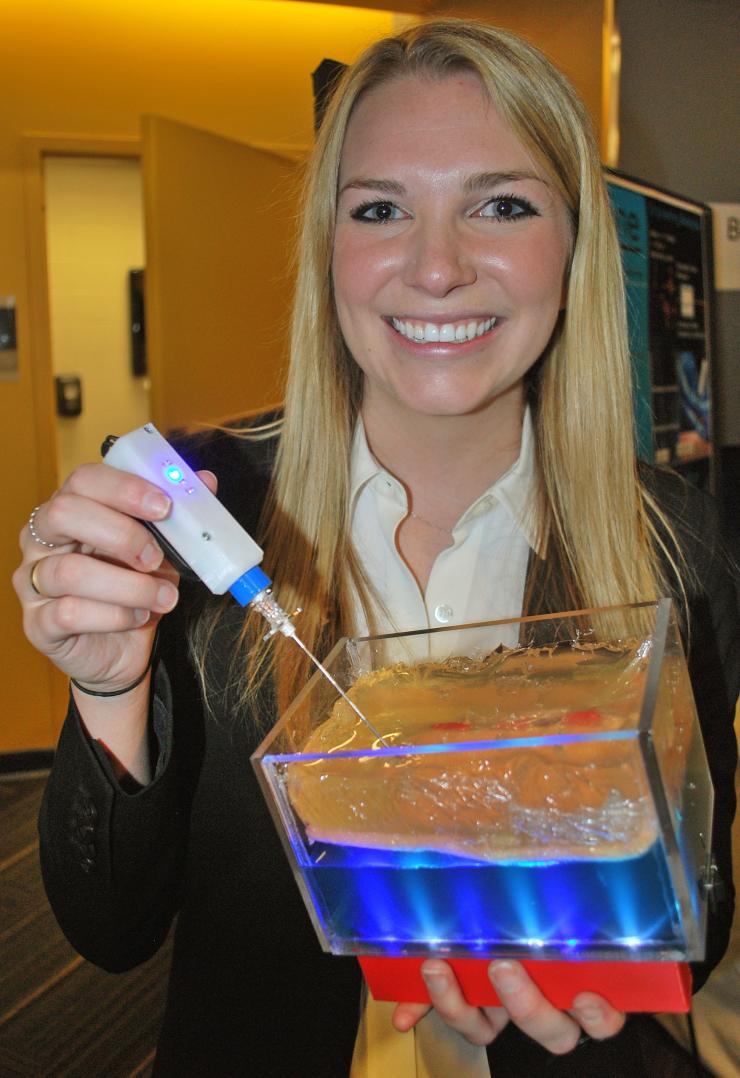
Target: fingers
{"x": 93, "y": 582}
{"x": 596, "y": 1017}
{"x": 209, "y": 479}
{"x": 94, "y": 507}
{"x": 406, "y": 1015}
{"x": 555, "y": 1030}
{"x": 72, "y": 519}
{"x": 449, "y": 1002}
{"x": 91, "y": 578}
{"x": 530, "y": 1011}
{"x": 123, "y": 491}
{"x": 93, "y": 596}
{"x": 522, "y": 1003}
{"x": 55, "y": 623}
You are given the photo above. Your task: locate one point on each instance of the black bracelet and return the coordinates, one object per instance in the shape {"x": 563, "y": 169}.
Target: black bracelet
{"x": 115, "y": 692}
{"x": 128, "y": 688}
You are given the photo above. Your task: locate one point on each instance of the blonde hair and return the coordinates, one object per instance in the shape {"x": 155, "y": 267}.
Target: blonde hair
{"x": 593, "y": 521}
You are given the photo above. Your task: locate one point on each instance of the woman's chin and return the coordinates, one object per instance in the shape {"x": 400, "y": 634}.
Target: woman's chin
{"x": 448, "y": 403}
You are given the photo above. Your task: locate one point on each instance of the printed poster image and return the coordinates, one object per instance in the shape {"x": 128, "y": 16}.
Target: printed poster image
{"x": 678, "y": 331}
{"x": 663, "y": 257}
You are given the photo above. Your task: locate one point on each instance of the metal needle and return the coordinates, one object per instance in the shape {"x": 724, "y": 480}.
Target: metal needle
{"x": 282, "y": 622}
{"x": 341, "y": 692}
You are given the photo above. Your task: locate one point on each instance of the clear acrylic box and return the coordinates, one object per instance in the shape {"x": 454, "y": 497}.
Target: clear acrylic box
{"x": 539, "y": 790}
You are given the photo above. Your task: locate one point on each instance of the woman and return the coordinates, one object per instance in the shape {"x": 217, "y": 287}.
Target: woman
{"x": 458, "y": 411}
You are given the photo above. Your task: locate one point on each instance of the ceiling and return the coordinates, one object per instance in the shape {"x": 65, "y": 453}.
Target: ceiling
{"x": 415, "y": 7}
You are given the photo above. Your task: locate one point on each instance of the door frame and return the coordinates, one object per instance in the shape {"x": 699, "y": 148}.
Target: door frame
{"x": 34, "y": 149}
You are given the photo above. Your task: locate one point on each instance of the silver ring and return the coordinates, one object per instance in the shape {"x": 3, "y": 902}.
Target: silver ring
{"x": 34, "y": 583}
{"x": 35, "y": 535}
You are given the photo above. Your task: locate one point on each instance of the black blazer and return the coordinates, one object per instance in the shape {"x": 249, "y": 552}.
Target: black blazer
{"x": 250, "y": 992}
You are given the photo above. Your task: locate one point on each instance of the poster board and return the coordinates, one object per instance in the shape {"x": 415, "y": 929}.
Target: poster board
{"x": 666, "y": 243}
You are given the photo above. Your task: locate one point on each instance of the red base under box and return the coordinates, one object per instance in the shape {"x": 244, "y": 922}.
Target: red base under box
{"x": 628, "y": 986}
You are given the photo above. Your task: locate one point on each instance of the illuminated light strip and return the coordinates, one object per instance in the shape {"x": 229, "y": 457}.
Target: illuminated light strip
{"x": 451, "y": 747}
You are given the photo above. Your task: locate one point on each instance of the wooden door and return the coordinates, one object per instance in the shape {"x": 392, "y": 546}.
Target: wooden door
{"x": 219, "y": 221}
{"x": 220, "y": 218}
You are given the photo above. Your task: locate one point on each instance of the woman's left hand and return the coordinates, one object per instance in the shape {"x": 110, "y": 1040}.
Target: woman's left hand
{"x": 522, "y": 1003}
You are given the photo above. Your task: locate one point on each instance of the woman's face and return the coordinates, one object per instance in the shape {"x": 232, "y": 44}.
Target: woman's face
{"x": 451, "y": 250}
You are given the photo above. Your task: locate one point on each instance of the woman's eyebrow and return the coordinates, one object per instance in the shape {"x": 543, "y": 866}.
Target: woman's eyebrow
{"x": 483, "y": 181}
{"x": 384, "y": 187}
{"x": 480, "y": 181}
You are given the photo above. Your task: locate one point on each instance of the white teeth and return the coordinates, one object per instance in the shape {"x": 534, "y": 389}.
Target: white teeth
{"x": 448, "y": 332}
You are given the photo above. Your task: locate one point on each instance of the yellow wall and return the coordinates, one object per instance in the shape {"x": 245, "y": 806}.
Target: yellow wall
{"x": 570, "y": 32}
{"x": 95, "y": 235}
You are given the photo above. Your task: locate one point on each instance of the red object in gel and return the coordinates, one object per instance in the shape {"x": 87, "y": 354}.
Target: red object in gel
{"x": 591, "y": 715}
{"x": 451, "y": 726}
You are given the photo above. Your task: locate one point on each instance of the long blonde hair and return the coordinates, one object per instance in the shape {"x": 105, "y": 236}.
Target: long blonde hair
{"x": 593, "y": 521}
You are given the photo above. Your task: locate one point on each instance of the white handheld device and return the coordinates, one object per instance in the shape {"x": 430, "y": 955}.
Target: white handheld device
{"x": 201, "y": 532}
{"x": 204, "y": 536}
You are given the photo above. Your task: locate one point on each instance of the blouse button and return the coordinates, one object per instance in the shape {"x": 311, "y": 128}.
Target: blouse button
{"x": 443, "y": 613}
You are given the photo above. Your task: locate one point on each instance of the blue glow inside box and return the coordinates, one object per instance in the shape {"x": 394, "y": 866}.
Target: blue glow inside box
{"x": 540, "y": 788}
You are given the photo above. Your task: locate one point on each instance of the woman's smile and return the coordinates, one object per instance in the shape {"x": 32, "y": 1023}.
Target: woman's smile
{"x": 453, "y": 332}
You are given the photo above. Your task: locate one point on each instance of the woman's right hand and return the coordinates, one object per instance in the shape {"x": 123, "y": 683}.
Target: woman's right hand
{"x": 92, "y": 602}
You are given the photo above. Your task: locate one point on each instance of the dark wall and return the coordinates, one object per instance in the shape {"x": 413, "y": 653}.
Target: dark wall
{"x": 680, "y": 94}
{"x": 679, "y": 119}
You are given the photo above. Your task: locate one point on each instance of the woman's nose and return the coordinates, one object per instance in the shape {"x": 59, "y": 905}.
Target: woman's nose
{"x": 437, "y": 261}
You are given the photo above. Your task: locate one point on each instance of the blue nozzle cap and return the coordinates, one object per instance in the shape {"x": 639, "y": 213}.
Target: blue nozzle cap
{"x": 250, "y": 585}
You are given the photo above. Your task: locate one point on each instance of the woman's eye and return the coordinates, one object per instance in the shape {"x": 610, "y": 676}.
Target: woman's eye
{"x": 507, "y": 208}
{"x": 377, "y": 211}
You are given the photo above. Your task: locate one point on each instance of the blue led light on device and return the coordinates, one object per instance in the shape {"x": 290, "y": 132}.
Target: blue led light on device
{"x": 174, "y": 474}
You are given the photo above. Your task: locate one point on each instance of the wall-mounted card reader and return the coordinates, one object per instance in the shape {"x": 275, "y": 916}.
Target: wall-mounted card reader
{"x": 69, "y": 394}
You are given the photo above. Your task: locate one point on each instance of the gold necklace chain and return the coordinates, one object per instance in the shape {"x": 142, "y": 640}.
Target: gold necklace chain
{"x": 437, "y": 527}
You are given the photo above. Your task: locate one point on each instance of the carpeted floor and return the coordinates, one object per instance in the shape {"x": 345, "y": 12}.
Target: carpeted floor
{"x": 60, "y": 1016}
